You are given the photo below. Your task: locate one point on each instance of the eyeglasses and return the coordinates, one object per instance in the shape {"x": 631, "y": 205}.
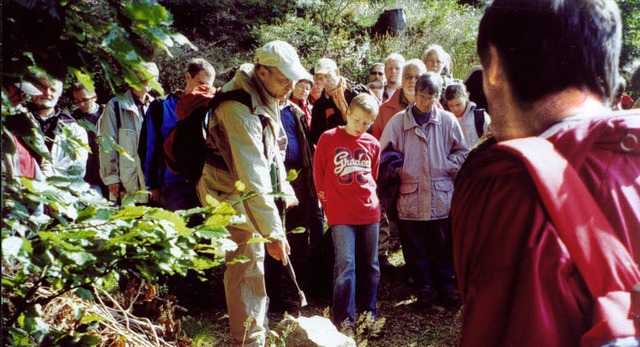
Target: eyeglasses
{"x": 79, "y": 101}
{"x": 281, "y": 79}
{"x": 376, "y": 73}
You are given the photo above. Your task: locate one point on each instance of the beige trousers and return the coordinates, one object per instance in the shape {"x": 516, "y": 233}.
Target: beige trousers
{"x": 245, "y": 291}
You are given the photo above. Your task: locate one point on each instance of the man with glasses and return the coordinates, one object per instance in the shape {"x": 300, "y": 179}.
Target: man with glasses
{"x": 376, "y": 73}
{"x": 122, "y": 120}
{"x": 247, "y": 145}
{"x": 89, "y": 110}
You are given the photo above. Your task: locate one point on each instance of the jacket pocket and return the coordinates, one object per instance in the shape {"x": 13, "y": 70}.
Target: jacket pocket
{"x": 441, "y": 200}
{"x": 408, "y": 200}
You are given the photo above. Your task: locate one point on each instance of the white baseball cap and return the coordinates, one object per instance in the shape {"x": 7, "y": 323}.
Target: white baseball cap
{"x": 283, "y": 56}
{"x": 28, "y": 88}
{"x": 325, "y": 65}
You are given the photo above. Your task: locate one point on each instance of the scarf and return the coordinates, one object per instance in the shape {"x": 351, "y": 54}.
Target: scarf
{"x": 199, "y": 97}
{"x": 337, "y": 95}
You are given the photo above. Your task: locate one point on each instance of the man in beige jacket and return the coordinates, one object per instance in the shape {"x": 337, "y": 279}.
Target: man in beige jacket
{"x": 249, "y": 144}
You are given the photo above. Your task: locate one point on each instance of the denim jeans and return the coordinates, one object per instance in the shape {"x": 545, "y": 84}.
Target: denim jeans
{"x": 427, "y": 251}
{"x": 356, "y": 266}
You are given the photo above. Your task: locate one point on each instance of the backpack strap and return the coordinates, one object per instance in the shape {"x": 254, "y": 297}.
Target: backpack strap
{"x": 239, "y": 95}
{"x": 601, "y": 259}
{"x": 478, "y": 119}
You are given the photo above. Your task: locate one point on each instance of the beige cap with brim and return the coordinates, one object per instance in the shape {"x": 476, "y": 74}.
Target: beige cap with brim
{"x": 283, "y": 56}
{"x": 325, "y": 65}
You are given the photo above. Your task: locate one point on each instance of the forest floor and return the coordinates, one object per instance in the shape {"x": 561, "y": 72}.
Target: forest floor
{"x": 404, "y": 323}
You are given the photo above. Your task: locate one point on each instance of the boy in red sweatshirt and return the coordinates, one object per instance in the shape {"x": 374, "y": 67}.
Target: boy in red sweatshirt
{"x": 345, "y": 172}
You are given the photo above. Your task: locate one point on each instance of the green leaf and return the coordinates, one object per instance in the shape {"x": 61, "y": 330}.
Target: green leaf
{"x": 178, "y": 223}
{"x": 258, "y": 240}
{"x": 87, "y": 213}
{"x": 226, "y": 245}
{"x": 7, "y": 284}
{"x": 130, "y": 212}
{"x": 238, "y": 260}
{"x": 203, "y": 263}
{"x": 292, "y": 175}
{"x": 298, "y": 230}
{"x": 89, "y": 340}
{"x": 211, "y": 201}
{"x": 92, "y": 317}
{"x": 80, "y": 258}
{"x": 83, "y": 78}
{"x": 58, "y": 239}
{"x": 84, "y": 294}
{"x": 11, "y": 247}
{"x": 213, "y": 232}
{"x": 240, "y": 186}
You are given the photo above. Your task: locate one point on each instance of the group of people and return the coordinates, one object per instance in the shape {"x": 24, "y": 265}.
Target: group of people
{"x": 409, "y": 161}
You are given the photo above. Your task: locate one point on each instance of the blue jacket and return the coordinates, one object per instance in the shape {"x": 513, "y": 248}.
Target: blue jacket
{"x": 155, "y": 169}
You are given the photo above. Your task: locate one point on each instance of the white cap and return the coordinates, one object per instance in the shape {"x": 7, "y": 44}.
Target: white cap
{"x": 28, "y": 88}
{"x": 325, "y": 65}
{"x": 283, "y": 56}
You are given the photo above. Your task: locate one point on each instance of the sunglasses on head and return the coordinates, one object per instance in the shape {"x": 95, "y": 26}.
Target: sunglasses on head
{"x": 376, "y": 73}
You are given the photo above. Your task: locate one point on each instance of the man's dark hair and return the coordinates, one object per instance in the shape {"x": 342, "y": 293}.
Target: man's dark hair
{"x": 430, "y": 82}
{"x": 549, "y": 45}
{"x": 198, "y": 64}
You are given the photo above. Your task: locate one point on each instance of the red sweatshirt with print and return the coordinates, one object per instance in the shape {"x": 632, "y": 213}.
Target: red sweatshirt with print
{"x": 345, "y": 173}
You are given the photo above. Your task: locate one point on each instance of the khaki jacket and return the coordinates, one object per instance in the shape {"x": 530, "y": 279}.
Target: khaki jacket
{"x": 116, "y": 167}
{"x": 236, "y": 133}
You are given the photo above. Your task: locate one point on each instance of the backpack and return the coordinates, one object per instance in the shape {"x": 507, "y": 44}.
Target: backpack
{"x": 478, "y": 119}
{"x": 185, "y": 148}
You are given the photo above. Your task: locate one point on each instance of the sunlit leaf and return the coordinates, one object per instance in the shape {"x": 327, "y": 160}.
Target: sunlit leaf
{"x": 292, "y": 175}
{"x": 238, "y": 260}
{"x": 130, "y": 212}
{"x": 83, "y": 78}
{"x": 258, "y": 240}
{"x": 11, "y": 247}
{"x": 298, "y": 230}
{"x": 203, "y": 263}
{"x": 213, "y": 232}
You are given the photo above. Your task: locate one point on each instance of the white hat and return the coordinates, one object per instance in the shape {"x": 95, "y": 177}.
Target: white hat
{"x": 325, "y": 65}
{"x": 283, "y": 56}
{"x": 28, "y": 88}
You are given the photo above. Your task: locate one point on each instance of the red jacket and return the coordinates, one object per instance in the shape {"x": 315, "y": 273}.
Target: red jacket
{"x": 387, "y": 110}
{"x": 520, "y": 286}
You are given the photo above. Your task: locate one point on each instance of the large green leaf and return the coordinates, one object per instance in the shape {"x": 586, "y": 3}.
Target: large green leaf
{"x": 213, "y": 232}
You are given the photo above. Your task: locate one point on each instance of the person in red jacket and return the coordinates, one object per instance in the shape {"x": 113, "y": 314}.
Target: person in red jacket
{"x": 345, "y": 172}
{"x": 519, "y": 284}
